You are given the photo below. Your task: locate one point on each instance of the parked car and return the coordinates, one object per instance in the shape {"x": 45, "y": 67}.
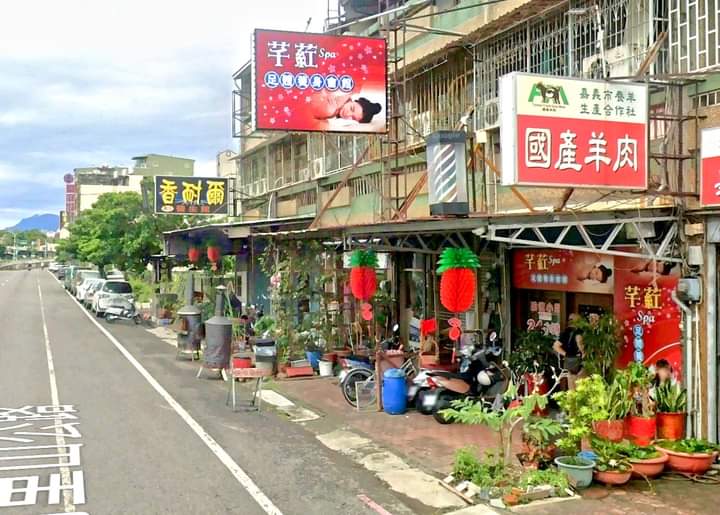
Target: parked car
{"x": 111, "y": 288}
{"x": 69, "y": 276}
{"x": 60, "y": 272}
{"x": 80, "y": 276}
{"x": 84, "y": 286}
{"x": 54, "y": 266}
{"x": 90, "y": 292}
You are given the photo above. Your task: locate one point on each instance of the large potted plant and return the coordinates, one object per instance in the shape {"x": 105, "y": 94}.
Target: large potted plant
{"x": 647, "y": 462}
{"x": 602, "y": 337}
{"x": 641, "y": 423}
{"x": 583, "y": 406}
{"x": 530, "y": 358}
{"x": 690, "y": 455}
{"x": 671, "y": 402}
{"x": 538, "y": 435}
{"x": 618, "y": 406}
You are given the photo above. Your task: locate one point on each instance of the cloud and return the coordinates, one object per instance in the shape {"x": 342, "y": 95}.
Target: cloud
{"x": 91, "y": 83}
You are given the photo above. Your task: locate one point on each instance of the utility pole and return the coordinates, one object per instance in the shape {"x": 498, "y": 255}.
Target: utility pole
{"x": 14, "y": 246}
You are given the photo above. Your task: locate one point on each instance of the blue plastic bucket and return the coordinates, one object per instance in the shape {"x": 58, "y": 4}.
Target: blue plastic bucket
{"x": 394, "y": 393}
{"x": 314, "y": 358}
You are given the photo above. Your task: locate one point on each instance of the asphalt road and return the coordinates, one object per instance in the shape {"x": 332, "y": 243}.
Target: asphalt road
{"x": 139, "y": 434}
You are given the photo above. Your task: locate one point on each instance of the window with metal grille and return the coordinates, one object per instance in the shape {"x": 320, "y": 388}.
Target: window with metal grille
{"x": 694, "y": 35}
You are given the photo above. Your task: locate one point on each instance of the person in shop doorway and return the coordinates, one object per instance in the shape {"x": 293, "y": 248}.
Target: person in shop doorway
{"x": 569, "y": 346}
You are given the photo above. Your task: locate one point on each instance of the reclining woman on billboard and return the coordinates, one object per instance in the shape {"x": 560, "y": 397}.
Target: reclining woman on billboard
{"x": 329, "y": 106}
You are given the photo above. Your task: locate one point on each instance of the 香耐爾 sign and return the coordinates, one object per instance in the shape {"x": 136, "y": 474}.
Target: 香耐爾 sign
{"x": 191, "y": 195}
{"x": 710, "y": 167}
{"x": 319, "y": 82}
{"x": 563, "y": 132}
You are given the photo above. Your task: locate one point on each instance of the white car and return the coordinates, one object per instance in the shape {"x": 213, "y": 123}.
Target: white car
{"x": 54, "y": 266}
{"x": 84, "y": 286}
{"x": 89, "y": 293}
{"x": 110, "y": 288}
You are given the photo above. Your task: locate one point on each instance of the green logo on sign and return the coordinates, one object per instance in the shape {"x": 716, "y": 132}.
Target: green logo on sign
{"x": 545, "y": 94}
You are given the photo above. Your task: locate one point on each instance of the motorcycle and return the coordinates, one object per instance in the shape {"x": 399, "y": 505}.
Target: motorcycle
{"x": 120, "y": 308}
{"x": 481, "y": 377}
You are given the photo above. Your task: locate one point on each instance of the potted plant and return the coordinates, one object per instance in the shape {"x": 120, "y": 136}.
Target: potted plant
{"x": 531, "y": 357}
{"x": 579, "y": 470}
{"x": 538, "y": 436}
{"x": 647, "y": 462}
{"x": 641, "y": 422}
{"x": 671, "y": 401}
{"x": 612, "y": 467}
{"x": 586, "y": 404}
{"x": 690, "y": 455}
{"x": 618, "y": 406}
{"x": 601, "y": 344}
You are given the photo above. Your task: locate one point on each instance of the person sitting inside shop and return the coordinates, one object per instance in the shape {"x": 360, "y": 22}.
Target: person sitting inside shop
{"x": 569, "y": 346}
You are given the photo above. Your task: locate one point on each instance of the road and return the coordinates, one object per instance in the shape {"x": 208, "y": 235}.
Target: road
{"x": 138, "y": 432}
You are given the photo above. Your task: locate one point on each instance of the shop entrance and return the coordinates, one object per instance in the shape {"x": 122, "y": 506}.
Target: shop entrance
{"x": 587, "y": 304}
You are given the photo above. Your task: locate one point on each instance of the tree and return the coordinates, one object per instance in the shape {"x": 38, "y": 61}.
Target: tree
{"x": 117, "y": 231}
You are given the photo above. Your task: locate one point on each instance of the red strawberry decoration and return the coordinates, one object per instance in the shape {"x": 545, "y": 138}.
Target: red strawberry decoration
{"x": 363, "y": 279}
{"x": 457, "y": 283}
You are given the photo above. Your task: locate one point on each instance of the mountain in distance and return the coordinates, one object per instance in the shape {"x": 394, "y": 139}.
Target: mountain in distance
{"x": 46, "y": 223}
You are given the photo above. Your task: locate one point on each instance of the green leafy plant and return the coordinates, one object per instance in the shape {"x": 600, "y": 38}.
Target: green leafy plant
{"x": 539, "y": 435}
{"x": 586, "y": 404}
{"x": 502, "y": 422}
{"x": 453, "y": 257}
{"x": 670, "y": 398}
{"x": 639, "y": 380}
{"x": 601, "y": 344}
{"x": 610, "y": 457}
{"x": 550, "y": 477}
{"x": 689, "y": 445}
{"x": 635, "y": 452}
{"x": 488, "y": 472}
{"x": 619, "y": 402}
{"x": 265, "y": 324}
{"x": 532, "y": 351}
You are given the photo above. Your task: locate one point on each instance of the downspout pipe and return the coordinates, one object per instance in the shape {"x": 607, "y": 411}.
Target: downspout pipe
{"x": 712, "y": 340}
{"x": 687, "y": 360}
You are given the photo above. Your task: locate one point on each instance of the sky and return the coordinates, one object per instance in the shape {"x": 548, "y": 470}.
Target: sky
{"x": 86, "y": 83}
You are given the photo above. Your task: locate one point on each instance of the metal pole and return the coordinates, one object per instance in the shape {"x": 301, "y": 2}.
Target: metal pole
{"x": 711, "y": 327}
{"x": 687, "y": 325}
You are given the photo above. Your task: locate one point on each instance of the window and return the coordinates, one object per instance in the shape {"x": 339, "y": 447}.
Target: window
{"x": 657, "y": 127}
{"x": 694, "y": 34}
{"x": 118, "y": 287}
{"x": 709, "y": 99}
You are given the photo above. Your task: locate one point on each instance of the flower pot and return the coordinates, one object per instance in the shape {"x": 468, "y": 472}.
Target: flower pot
{"x": 670, "y": 426}
{"x": 282, "y": 367}
{"x": 242, "y": 362}
{"x": 609, "y": 429}
{"x": 649, "y": 468}
{"x": 695, "y": 463}
{"x": 326, "y": 368}
{"x": 343, "y": 353}
{"x": 579, "y": 470}
{"x": 300, "y": 371}
{"x": 641, "y": 430}
{"x": 330, "y": 356}
{"x": 612, "y": 477}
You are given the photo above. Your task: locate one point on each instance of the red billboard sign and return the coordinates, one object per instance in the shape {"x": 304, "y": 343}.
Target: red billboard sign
{"x": 562, "y": 270}
{"x": 575, "y": 133}
{"x": 319, "y": 82}
{"x": 710, "y": 167}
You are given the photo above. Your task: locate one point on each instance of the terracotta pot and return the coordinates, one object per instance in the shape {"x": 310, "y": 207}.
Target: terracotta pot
{"x": 343, "y": 353}
{"x": 611, "y": 477}
{"x": 696, "y": 463}
{"x": 242, "y": 362}
{"x": 330, "y": 356}
{"x": 671, "y": 426}
{"x": 650, "y": 468}
{"x": 213, "y": 254}
{"x": 612, "y": 430}
{"x": 641, "y": 430}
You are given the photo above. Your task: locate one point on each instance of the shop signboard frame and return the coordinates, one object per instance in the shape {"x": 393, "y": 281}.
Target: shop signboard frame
{"x": 577, "y": 133}
{"x": 291, "y": 70}
{"x": 202, "y": 196}
{"x": 710, "y": 167}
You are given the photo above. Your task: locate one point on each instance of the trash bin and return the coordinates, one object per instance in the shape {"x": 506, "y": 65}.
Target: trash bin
{"x": 394, "y": 392}
{"x": 218, "y": 335}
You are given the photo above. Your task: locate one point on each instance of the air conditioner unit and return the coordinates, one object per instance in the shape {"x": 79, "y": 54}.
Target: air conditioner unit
{"x": 491, "y": 114}
{"x": 304, "y": 174}
{"x": 318, "y": 167}
{"x": 618, "y": 63}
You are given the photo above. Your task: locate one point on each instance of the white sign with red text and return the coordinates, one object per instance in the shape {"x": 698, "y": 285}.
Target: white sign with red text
{"x": 565, "y": 132}
{"x": 710, "y": 167}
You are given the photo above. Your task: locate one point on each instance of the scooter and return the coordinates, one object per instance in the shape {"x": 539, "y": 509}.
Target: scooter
{"x": 120, "y": 308}
{"x": 481, "y": 377}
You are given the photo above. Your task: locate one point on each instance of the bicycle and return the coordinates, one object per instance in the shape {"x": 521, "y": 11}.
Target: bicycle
{"x": 362, "y": 378}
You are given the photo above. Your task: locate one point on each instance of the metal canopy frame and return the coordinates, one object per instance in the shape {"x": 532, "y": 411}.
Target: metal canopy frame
{"x": 419, "y": 243}
{"x": 544, "y": 234}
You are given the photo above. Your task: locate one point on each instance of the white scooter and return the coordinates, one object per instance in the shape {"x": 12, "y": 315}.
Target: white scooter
{"x": 120, "y": 308}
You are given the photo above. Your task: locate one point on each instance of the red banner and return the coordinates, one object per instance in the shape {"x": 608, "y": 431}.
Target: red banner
{"x": 710, "y": 167}
{"x": 650, "y": 318}
{"x": 319, "y": 82}
{"x": 562, "y": 270}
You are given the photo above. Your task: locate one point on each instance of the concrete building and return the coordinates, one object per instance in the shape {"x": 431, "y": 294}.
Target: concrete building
{"x": 226, "y": 162}
{"x": 158, "y": 164}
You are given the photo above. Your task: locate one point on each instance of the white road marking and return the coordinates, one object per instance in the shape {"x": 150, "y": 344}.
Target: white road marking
{"x": 245, "y": 481}
{"x": 59, "y": 436}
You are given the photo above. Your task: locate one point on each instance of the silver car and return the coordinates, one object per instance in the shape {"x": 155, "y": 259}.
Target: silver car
{"x": 111, "y": 288}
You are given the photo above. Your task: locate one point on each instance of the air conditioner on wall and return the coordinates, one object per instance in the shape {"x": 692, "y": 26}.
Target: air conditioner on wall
{"x": 304, "y": 174}
{"x": 318, "y": 167}
{"x": 618, "y": 63}
{"x": 491, "y": 114}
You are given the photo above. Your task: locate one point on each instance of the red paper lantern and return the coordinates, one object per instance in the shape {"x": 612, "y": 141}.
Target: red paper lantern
{"x": 457, "y": 289}
{"x": 193, "y": 254}
{"x": 363, "y": 282}
{"x": 213, "y": 254}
